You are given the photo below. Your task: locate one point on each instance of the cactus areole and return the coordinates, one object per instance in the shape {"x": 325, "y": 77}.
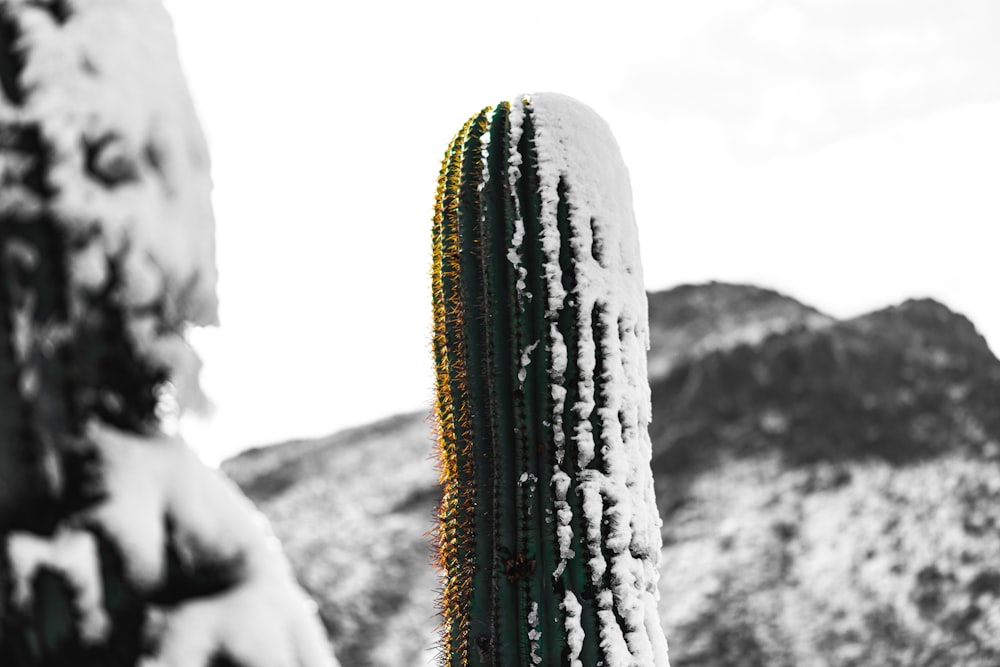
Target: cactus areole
{"x": 548, "y": 533}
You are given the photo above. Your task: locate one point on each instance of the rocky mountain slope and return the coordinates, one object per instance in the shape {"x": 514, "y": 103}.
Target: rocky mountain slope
{"x": 689, "y": 321}
{"x": 830, "y": 493}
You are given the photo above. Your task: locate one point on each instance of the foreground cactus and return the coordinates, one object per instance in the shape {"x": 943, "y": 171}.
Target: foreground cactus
{"x": 548, "y": 530}
{"x": 117, "y": 546}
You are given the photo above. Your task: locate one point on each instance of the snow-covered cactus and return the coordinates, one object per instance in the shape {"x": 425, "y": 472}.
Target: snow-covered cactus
{"x": 117, "y": 546}
{"x": 548, "y": 531}
{"x": 106, "y": 237}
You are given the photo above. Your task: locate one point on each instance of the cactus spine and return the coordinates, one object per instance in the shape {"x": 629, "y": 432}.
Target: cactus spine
{"x": 548, "y": 534}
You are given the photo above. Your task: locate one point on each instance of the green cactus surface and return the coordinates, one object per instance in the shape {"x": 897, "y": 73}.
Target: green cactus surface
{"x": 548, "y": 535}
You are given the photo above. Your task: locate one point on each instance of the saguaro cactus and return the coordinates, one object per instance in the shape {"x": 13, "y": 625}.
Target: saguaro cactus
{"x": 116, "y": 544}
{"x": 548, "y": 530}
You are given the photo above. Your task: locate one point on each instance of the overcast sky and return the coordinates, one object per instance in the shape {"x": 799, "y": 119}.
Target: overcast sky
{"x": 847, "y": 153}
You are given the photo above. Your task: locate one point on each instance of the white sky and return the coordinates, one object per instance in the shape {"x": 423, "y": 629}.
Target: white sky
{"x": 847, "y": 153}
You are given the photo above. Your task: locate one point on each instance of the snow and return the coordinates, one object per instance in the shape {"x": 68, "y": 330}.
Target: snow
{"x": 109, "y": 78}
{"x": 513, "y": 173}
{"x": 574, "y": 630}
{"x": 564, "y": 517}
{"x": 654, "y": 631}
{"x": 613, "y": 643}
{"x": 265, "y": 620}
{"x": 534, "y": 634}
{"x": 575, "y": 145}
{"x": 558, "y": 361}
{"x": 593, "y": 513}
{"x": 259, "y": 624}
{"x": 522, "y": 371}
{"x": 71, "y": 554}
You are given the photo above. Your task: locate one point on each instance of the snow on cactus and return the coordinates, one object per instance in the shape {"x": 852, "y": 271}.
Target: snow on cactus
{"x": 117, "y": 546}
{"x": 106, "y": 234}
{"x": 548, "y": 533}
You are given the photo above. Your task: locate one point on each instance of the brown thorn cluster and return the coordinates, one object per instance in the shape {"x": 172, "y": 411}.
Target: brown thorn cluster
{"x": 455, "y": 536}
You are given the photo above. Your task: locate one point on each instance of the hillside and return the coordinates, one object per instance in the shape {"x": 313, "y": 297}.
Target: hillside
{"x": 352, "y": 512}
{"x": 689, "y": 321}
{"x": 830, "y": 493}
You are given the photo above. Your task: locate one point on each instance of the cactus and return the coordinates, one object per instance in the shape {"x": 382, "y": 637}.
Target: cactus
{"x": 117, "y": 546}
{"x": 548, "y": 532}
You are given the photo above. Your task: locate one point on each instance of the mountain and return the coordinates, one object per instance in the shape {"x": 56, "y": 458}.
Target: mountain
{"x": 831, "y": 496}
{"x": 689, "y": 321}
{"x": 830, "y": 493}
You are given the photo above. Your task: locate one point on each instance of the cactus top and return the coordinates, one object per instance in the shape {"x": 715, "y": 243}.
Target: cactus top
{"x": 577, "y": 145}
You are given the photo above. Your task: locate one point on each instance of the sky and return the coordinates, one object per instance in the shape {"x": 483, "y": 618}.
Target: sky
{"x": 846, "y": 153}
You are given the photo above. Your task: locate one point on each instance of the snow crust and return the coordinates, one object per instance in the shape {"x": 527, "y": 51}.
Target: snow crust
{"x": 564, "y": 517}
{"x": 72, "y": 554}
{"x": 574, "y": 630}
{"x": 264, "y": 620}
{"x": 106, "y": 89}
{"x": 534, "y": 634}
{"x": 576, "y": 146}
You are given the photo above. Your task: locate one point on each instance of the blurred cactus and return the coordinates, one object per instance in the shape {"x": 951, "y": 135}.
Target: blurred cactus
{"x": 117, "y": 546}
{"x": 548, "y": 532}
